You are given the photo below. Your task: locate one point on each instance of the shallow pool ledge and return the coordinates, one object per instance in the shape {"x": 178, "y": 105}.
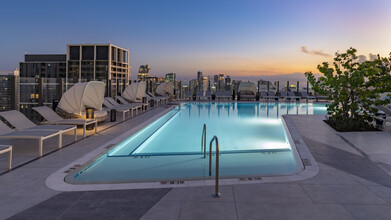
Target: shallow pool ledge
{"x": 310, "y": 167}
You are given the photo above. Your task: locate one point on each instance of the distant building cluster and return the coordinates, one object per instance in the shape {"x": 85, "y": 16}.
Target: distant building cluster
{"x": 9, "y": 90}
{"x": 43, "y": 78}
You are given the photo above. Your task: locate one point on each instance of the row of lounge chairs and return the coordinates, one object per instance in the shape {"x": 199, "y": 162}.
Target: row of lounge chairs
{"x": 71, "y": 112}
{"x": 285, "y": 95}
{"x": 289, "y": 95}
{"x": 26, "y": 129}
{"x": 207, "y": 95}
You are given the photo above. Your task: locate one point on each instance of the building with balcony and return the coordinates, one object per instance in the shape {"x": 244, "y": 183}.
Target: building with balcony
{"x": 9, "y": 90}
{"x": 98, "y": 62}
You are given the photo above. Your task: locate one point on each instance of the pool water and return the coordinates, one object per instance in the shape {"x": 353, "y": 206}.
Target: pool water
{"x": 252, "y": 141}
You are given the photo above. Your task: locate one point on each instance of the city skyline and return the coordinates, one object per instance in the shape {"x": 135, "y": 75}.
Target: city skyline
{"x": 243, "y": 40}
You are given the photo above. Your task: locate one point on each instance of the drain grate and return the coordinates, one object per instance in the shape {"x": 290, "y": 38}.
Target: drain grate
{"x": 72, "y": 168}
{"x": 172, "y": 182}
{"x": 250, "y": 178}
{"x": 306, "y": 162}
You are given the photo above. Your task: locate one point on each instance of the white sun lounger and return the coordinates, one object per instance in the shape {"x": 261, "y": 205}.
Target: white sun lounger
{"x": 7, "y": 149}
{"x": 387, "y": 111}
{"x": 272, "y": 95}
{"x": 137, "y": 105}
{"x": 161, "y": 98}
{"x": 53, "y": 118}
{"x": 200, "y": 95}
{"x": 155, "y": 100}
{"x": 292, "y": 95}
{"x": 123, "y": 110}
{"x": 222, "y": 95}
{"x": 40, "y": 135}
{"x": 21, "y": 122}
{"x": 188, "y": 95}
{"x": 305, "y": 95}
{"x": 131, "y": 106}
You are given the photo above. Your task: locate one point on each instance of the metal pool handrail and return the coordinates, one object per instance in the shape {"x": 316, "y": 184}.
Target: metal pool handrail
{"x": 203, "y": 140}
{"x": 216, "y": 194}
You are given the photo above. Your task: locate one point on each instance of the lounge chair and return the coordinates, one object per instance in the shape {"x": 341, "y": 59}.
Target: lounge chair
{"x": 188, "y": 95}
{"x": 40, "y": 135}
{"x": 120, "y": 109}
{"x": 7, "y": 149}
{"x": 247, "y": 90}
{"x": 284, "y": 95}
{"x": 21, "y": 122}
{"x": 159, "y": 98}
{"x": 75, "y": 100}
{"x": 156, "y": 101}
{"x": 387, "y": 114}
{"x": 292, "y": 95}
{"x": 272, "y": 95}
{"x": 134, "y": 106}
{"x": 323, "y": 97}
{"x": 130, "y": 105}
{"x": 138, "y": 105}
{"x": 208, "y": 95}
{"x": 305, "y": 95}
{"x": 200, "y": 95}
{"x": 53, "y": 118}
{"x": 263, "y": 95}
{"x": 223, "y": 95}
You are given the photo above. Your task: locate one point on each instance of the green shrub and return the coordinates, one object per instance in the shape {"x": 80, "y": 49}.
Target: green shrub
{"x": 353, "y": 89}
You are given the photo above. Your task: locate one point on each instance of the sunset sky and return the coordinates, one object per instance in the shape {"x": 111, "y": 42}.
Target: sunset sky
{"x": 239, "y": 38}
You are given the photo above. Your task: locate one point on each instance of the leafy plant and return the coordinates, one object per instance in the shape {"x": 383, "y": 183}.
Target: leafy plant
{"x": 353, "y": 88}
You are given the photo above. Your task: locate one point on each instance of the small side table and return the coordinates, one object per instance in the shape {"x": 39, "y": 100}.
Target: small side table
{"x": 4, "y": 149}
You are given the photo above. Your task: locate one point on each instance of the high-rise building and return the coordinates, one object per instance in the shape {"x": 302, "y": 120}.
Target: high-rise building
{"x": 170, "y": 77}
{"x": 228, "y": 84}
{"x": 42, "y": 78}
{"x": 43, "y": 65}
{"x": 221, "y": 82}
{"x": 193, "y": 85}
{"x": 204, "y": 83}
{"x": 98, "y": 62}
{"x": 143, "y": 72}
{"x": 45, "y": 77}
{"x": 9, "y": 90}
{"x": 199, "y": 81}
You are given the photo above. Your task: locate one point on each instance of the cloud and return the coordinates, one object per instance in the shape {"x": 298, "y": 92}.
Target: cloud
{"x": 314, "y": 52}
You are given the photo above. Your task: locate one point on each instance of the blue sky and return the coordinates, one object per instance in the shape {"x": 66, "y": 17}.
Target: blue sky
{"x": 240, "y": 38}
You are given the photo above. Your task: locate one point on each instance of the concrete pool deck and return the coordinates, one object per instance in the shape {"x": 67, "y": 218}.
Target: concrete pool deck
{"x": 352, "y": 184}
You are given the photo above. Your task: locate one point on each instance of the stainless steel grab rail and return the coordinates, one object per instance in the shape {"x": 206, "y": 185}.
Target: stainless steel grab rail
{"x": 216, "y": 194}
{"x": 203, "y": 140}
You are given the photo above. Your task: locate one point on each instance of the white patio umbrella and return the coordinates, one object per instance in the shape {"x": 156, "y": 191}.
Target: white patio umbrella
{"x": 135, "y": 91}
{"x": 82, "y": 95}
{"x": 164, "y": 88}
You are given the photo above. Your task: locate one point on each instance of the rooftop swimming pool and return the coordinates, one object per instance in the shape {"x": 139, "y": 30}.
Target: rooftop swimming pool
{"x": 252, "y": 138}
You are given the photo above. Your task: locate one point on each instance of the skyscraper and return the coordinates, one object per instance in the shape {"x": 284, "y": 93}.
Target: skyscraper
{"x": 143, "y": 72}
{"x": 45, "y": 77}
{"x": 42, "y": 80}
{"x": 227, "y": 83}
{"x": 99, "y": 62}
{"x": 200, "y": 79}
{"x": 9, "y": 90}
{"x": 170, "y": 77}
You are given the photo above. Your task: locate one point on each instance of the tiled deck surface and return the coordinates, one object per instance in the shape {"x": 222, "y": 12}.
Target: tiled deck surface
{"x": 350, "y": 185}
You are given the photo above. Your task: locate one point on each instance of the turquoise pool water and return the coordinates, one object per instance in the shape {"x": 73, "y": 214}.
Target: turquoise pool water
{"x": 252, "y": 140}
